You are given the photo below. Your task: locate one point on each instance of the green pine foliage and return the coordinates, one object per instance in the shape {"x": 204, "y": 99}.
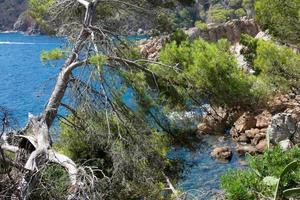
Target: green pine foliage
{"x": 280, "y": 17}
{"x": 209, "y": 71}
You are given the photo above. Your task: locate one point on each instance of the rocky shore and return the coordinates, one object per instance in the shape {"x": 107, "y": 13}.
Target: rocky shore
{"x": 253, "y": 132}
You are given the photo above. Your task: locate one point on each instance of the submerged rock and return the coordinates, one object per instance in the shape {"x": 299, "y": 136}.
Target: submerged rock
{"x": 221, "y": 153}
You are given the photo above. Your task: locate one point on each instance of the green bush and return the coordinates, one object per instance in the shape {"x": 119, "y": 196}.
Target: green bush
{"x": 133, "y": 160}
{"x": 211, "y": 71}
{"x": 280, "y": 17}
{"x": 178, "y": 36}
{"x": 55, "y": 178}
{"x": 238, "y": 184}
{"x": 218, "y": 14}
{"x": 257, "y": 181}
{"x": 240, "y": 13}
{"x": 278, "y": 64}
{"x": 201, "y": 25}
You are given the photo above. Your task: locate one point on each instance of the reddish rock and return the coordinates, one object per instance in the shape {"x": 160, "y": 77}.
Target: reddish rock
{"x": 257, "y": 138}
{"x": 213, "y": 122}
{"x": 243, "y": 149}
{"x": 252, "y": 132}
{"x": 245, "y": 122}
{"x": 261, "y": 146}
{"x": 230, "y": 30}
{"x": 221, "y": 153}
{"x": 264, "y": 119}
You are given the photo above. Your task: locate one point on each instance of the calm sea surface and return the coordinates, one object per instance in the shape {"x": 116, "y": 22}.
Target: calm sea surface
{"x": 26, "y": 84}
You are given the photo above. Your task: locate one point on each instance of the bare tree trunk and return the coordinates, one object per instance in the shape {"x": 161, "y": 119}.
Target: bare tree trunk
{"x": 37, "y": 132}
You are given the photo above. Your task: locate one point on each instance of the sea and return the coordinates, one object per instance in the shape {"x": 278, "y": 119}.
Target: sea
{"x": 26, "y": 84}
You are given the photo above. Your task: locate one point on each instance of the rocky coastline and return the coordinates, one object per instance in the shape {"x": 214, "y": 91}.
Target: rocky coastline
{"x": 277, "y": 123}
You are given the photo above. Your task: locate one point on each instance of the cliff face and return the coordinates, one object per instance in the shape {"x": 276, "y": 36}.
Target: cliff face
{"x": 10, "y": 10}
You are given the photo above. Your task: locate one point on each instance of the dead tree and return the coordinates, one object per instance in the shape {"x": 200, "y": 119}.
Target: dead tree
{"x": 36, "y": 132}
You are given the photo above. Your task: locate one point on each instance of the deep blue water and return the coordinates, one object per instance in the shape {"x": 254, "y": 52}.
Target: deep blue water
{"x": 25, "y": 81}
{"x": 26, "y": 84}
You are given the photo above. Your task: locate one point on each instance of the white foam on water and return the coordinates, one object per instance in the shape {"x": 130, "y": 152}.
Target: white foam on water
{"x": 21, "y": 43}
{"x": 7, "y": 42}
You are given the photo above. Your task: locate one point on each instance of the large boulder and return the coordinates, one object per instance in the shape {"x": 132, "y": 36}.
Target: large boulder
{"x": 263, "y": 119}
{"x": 26, "y": 23}
{"x": 285, "y": 126}
{"x": 213, "y": 121}
{"x": 245, "y": 122}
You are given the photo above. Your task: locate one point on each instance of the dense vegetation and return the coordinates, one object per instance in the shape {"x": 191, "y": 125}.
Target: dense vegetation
{"x": 281, "y": 18}
{"x": 122, "y": 147}
{"x": 261, "y": 179}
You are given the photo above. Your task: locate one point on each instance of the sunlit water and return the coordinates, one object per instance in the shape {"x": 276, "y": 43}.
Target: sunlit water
{"x": 26, "y": 84}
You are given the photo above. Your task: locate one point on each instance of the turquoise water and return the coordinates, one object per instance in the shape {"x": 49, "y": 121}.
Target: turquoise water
{"x": 26, "y": 84}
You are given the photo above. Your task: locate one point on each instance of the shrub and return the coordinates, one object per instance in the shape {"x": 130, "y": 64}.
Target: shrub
{"x": 178, "y": 36}
{"x": 219, "y": 14}
{"x": 212, "y": 72}
{"x": 261, "y": 178}
{"x": 280, "y": 17}
{"x": 240, "y": 13}
{"x": 201, "y": 25}
{"x": 278, "y": 64}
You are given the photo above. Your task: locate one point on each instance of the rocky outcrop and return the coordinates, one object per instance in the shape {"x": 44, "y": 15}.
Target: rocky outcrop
{"x": 151, "y": 47}
{"x": 231, "y": 30}
{"x": 279, "y": 123}
{"x": 10, "y": 10}
{"x": 285, "y": 126}
{"x": 27, "y": 24}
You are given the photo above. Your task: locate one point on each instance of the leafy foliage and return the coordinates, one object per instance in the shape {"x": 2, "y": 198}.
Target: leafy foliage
{"x": 132, "y": 159}
{"x": 280, "y": 17}
{"x": 218, "y": 14}
{"x": 54, "y": 54}
{"x": 201, "y": 25}
{"x": 260, "y": 180}
{"x": 279, "y": 65}
{"x": 210, "y": 70}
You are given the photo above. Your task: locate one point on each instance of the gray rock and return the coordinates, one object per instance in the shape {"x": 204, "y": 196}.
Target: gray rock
{"x": 284, "y": 126}
{"x": 285, "y": 144}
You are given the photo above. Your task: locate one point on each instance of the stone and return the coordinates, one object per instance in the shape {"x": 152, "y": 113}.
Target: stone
{"x": 230, "y": 30}
{"x": 243, "y": 138}
{"x": 140, "y": 31}
{"x": 285, "y": 126}
{"x": 243, "y": 149}
{"x": 257, "y": 138}
{"x": 263, "y": 119}
{"x": 213, "y": 121}
{"x": 245, "y": 122}
{"x": 221, "y": 153}
{"x": 261, "y": 146}
{"x": 285, "y": 144}
{"x": 252, "y": 132}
